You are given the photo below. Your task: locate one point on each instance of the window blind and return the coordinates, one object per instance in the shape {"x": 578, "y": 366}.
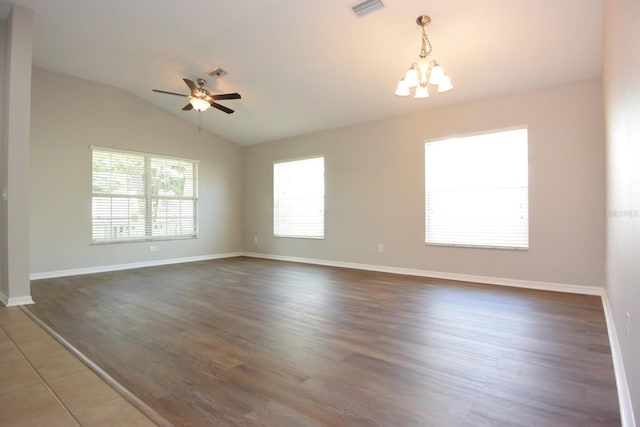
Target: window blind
{"x": 298, "y": 198}
{"x": 137, "y": 196}
{"x": 476, "y": 191}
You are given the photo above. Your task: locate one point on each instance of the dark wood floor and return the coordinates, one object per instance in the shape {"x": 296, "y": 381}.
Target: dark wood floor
{"x": 249, "y": 342}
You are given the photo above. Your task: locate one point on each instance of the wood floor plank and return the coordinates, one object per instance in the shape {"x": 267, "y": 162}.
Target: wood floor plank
{"x": 252, "y": 342}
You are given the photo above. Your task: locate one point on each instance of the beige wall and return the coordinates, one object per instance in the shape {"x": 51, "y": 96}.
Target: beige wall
{"x": 375, "y": 189}
{"x": 622, "y": 112}
{"x": 68, "y": 116}
{"x": 374, "y": 183}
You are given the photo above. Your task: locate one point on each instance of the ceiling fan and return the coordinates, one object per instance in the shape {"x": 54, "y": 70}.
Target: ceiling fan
{"x": 200, "y": 98}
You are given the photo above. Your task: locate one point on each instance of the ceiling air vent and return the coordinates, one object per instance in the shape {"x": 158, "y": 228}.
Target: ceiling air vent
{"x": 218, "y": 72}
{"x": 365, "y": 7}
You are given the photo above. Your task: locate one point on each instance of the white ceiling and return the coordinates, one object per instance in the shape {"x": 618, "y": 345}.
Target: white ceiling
{"x": 305, "y": 66}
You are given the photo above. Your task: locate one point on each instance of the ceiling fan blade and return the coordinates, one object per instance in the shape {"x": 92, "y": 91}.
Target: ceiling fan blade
{"x": 168, "y": 93}
{"x": 191, "y": 85}
{"x": 187, "y": 107}
{"x": 221, "y": 107}
{"x": 226, "y": 96}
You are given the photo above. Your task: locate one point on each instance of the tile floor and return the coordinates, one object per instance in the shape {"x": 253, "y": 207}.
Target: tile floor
{"x": 42, "y": 384}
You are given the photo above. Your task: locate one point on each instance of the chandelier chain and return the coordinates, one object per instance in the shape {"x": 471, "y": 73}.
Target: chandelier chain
{"x": 425, "y": 42}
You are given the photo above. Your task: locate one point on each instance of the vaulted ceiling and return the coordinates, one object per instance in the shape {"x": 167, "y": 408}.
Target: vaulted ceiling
{"x": 304, "y": 66}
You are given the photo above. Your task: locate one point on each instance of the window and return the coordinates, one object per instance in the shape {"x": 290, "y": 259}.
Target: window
{"x": 477, "y": 191}
{"x": 298, "y": 198}
{"x": 141, "y": 197}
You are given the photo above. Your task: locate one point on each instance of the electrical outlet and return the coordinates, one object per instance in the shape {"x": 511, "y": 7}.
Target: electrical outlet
{"x": 153, "y": 248}
{"x": 380, "y": 248}
{"x": 255, "y": 240}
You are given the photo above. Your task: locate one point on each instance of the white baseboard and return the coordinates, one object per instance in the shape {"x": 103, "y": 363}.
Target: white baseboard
{"x": 528, "y": 284}
{"x": 10, "y": 302}
{"x": 128, "y": 266}
{"x": 624, "y": 397}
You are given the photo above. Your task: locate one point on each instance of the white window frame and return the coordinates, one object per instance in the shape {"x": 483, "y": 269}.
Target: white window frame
{"x": 463, "y": 181}
{"x": 310, "y": 223}
{"x": 149, "y": 225}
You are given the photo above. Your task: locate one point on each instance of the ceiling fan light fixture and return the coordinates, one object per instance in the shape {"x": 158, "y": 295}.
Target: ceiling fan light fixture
{"x": 199, "y": 104}
{"x": 424, "y": 72}
{"x": 200, "y": 99}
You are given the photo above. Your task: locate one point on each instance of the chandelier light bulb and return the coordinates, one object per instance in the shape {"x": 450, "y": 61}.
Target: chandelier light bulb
{"x": 422, "y": 91}
{"x": 411, "y": 77}
{"x": 437, "y": 74}
{"x": 402, "y": 89}
{"x": 445, "y": 84}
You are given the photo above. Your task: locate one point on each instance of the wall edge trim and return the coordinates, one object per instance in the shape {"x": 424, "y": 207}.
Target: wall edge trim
{"x": 500, "y": 281}
{"x": 128, "y": 266}
{"x": 11, "y": 302}
{"x": 624, "y": 396}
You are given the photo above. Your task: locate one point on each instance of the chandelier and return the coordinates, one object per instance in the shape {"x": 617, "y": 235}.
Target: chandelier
{"x": 424, "y": 72}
